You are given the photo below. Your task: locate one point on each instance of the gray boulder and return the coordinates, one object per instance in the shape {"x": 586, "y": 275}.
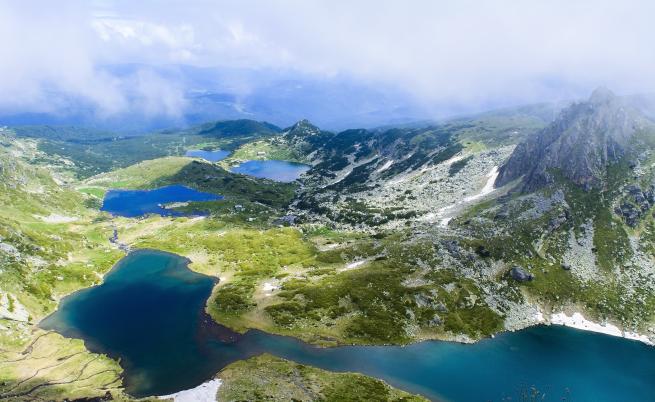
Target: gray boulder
{"x": 435, "y": 321}
{"x": 519, "y": 274}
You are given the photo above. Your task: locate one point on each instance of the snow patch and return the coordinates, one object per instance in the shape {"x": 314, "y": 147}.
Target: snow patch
{"x": 488, "y": 186}
{"x": 486, "y": 190}
{"x": 386, "y": 166}
{"x": 578, "y": 321}
{"x": 205, "y": 392}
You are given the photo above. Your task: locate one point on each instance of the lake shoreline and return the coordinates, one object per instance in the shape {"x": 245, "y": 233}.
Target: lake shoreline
{"x": 576, "y": 320}
{"x": 337, "y": 359}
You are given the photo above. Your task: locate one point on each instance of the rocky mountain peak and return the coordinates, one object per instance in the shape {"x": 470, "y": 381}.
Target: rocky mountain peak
{"x": 582, "y": 141}
{"x": 302, "y": 128}
{"x": 602, "y": 95}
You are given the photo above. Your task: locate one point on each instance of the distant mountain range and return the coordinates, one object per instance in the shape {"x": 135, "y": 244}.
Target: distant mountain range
{"x": 198, "y": 95}
{"x": 223, "y": 94}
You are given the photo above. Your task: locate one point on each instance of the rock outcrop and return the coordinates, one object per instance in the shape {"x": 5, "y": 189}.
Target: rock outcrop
{"x": 519, "y": 274}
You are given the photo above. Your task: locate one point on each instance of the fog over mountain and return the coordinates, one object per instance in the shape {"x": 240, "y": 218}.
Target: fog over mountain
{"x": 142, "y": 65}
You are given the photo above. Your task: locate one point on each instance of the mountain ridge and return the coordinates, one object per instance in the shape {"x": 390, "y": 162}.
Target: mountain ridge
{"x": 582, "y": 141}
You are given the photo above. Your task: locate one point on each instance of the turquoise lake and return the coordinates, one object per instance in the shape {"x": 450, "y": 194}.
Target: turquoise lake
{"x": 211, "y": 156}
{"x": 149, "y": 313}
{"x": 275, "y": 170}
{"x": 133, "y": 203}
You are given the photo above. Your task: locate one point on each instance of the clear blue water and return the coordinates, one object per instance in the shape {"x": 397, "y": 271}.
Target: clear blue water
{"x": 275, "y": 170}
{"x": 133, "y": 203}
{"x": 149, "y": 312}
{"x": 211, "y": 156}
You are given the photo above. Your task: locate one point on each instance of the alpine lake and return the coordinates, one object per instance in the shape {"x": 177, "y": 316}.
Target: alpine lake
{"x": 160, "y": 333}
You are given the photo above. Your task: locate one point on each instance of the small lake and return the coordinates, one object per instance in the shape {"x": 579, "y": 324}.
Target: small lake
{"x": 283, "y": 171}
{"x": 211, "y": 156}
{"x": 149, "y": 312}
{"x": 134, "y": 203}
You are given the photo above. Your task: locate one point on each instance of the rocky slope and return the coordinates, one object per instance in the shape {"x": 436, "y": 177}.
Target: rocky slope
{"x": 579, "y": 144}
{"x": 579, "y": 232}
{"x": 389, "y": 177}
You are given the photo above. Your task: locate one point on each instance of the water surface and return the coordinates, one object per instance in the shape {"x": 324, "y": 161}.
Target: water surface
{"x": 133, "y": 203}
{"x": 149, "y": 312}
{"x": 211, "y": 156}
{"x": 275, "y": 170}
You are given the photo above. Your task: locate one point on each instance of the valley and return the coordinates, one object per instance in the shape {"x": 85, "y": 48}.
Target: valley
{"x": 455, "y": 231}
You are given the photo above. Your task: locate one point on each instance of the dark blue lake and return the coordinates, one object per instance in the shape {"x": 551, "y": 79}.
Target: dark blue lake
{"x": 211, "y": 156}
{"x": 133, "y": 203}
{"x": 275, "y": 170}
{"x": 149, "y": 312}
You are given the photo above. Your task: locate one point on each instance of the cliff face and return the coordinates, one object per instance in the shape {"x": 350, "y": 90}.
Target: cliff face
{"x": 580, "y": 144}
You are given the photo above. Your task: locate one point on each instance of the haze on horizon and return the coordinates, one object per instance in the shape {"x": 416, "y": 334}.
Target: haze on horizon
{"x": 354, "y": 63}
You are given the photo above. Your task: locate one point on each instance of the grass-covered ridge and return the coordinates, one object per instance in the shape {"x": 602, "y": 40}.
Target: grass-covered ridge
{"x": 267, "y": 377}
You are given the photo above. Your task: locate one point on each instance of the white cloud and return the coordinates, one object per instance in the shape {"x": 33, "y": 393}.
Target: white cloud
{"x": 175, "y": 43}
{"x": 442, "y": 52}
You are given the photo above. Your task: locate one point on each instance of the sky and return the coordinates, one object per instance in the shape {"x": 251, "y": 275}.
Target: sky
{"x": 440, "y": 54}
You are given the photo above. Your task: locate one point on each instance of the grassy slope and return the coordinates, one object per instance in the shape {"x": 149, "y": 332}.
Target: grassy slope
{"x": 140, "y": 175}
{"x": 270, "y": 378}
{"x": 51, "y": 259}
{"x": 320, "y": 299}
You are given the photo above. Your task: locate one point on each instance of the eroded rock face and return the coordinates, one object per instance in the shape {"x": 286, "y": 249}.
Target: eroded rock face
{"x": 580, "y": 144}
{"x": 635, "y": 203}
